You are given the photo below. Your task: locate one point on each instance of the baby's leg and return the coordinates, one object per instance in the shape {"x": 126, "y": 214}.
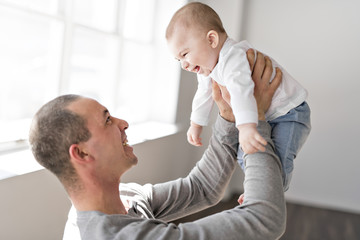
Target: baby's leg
{"x": 240, "y": 160}
{"x": 289, "y": 133}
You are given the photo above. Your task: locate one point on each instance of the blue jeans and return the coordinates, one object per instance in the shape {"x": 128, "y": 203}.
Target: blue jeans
{"x": 289, "y": 133}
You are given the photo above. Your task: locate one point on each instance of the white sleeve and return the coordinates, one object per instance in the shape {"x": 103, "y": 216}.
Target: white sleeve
{"x": 237, "y": 76}
{"x": 203, "y": 102}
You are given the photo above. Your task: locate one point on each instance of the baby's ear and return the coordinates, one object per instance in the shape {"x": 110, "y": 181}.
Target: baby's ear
{"x": 213, "y": 38}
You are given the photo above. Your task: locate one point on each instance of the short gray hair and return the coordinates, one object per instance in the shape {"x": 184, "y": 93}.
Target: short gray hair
{"x": 54, "y": 129}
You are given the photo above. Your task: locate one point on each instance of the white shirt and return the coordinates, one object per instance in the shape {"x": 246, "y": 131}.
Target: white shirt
{"x": 233, "y": 72}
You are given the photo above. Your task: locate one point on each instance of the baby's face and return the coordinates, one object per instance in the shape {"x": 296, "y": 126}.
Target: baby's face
{"x": 193, "y": 50}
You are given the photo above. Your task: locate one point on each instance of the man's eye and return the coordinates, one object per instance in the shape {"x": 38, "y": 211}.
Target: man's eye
{"x": 108, "y": 120}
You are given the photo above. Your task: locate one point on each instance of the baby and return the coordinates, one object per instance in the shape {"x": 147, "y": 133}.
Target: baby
{"x": 198, "y": 40}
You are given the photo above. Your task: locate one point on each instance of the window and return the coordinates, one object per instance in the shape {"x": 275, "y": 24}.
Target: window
{"x": 113, "y": 50}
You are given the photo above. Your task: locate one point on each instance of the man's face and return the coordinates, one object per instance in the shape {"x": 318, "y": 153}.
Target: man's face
{"x": 193, "y": 50}
{"x": 108, "y": 143}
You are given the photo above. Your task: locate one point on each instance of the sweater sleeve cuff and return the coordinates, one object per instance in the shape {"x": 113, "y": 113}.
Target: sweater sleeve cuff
{"x": 225, "y": 129}
{"x": 264, "y": 129}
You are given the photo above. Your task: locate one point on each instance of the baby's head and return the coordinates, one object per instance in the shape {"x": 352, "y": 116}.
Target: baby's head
{"x": 195, "y": 16}
{"x": 195, "y": 36}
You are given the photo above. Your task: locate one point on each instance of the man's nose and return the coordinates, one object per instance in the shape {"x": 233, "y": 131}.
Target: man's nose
{"x": 122, "y": 124}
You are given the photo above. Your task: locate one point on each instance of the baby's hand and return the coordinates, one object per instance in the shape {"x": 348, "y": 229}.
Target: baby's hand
{"x": 193, "y": 134}
{"x": 250, "y": 139}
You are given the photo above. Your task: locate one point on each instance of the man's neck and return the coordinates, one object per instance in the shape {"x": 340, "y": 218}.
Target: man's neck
{"x": 97, "y": 197}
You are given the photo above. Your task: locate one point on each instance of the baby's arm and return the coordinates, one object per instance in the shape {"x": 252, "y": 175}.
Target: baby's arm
{"x": 250, "y": 139}
{"x": 201, "y": 109}
{"x": 193, "y": 134}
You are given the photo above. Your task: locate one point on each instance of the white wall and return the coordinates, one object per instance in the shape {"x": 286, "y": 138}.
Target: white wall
{"x": 318, "y": 43}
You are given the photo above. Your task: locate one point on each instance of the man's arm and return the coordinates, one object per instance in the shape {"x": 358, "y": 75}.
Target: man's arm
{"x": 262, "y": 214}
{"x": 206, "y": 183}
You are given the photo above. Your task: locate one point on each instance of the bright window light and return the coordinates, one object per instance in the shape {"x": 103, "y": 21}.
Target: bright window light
{"x": 93, "y": 64}
{"x": 30, "y": 57}
{"x": 99, "y": 14}
{"x": 45, "y": 6}
{"x": 113, "y": 50}
{"x": 138, "y": 15}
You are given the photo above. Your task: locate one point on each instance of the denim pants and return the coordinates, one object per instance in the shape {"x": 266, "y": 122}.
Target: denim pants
{"x": 289, "y": 133}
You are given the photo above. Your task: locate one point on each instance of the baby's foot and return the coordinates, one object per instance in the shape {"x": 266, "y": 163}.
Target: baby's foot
{"x": 241, "y": 199}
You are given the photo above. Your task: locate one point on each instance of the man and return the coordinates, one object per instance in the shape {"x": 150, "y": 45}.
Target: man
{"x": 86, "y": 148}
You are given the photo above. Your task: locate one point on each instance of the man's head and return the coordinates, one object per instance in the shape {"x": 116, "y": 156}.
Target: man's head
{"x": 54, "y": 129}
{"x": 73, "y": 137}
{"x": 195, "y": 35}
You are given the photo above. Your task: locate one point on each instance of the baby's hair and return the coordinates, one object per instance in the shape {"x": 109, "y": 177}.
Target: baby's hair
{"x": 195, "y": 15}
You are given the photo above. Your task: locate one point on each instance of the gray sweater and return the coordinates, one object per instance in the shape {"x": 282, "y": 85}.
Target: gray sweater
{"x": 261, "y": 216}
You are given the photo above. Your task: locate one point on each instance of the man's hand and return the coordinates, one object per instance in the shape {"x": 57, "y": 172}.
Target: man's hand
{"x": 261, "y": 73}
{"x": 264, "y": 89}
{"x": 222, "y": 102}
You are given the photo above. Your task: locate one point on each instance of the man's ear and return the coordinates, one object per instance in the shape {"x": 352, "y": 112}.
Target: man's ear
{"x": 78, "y": 154}
{"x": 213, "y": 37}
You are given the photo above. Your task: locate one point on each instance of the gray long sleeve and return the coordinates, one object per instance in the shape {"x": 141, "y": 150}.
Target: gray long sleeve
{"x": 261, "y": 216}
{"x": 263, "y": 213}
{"x": 205, "y": 184}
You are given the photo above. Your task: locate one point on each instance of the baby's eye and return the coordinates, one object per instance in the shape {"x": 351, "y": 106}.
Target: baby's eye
{"x": 184, "y": 55}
